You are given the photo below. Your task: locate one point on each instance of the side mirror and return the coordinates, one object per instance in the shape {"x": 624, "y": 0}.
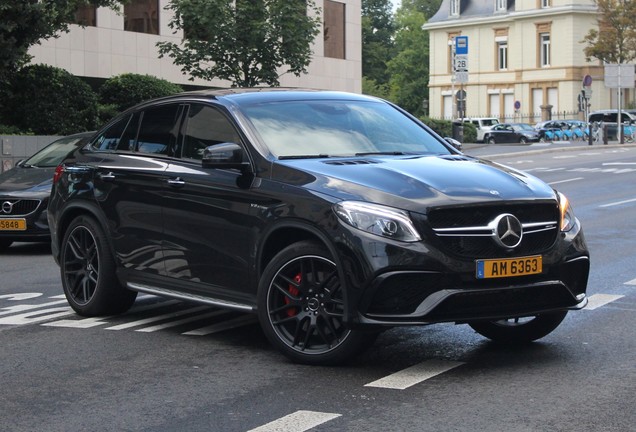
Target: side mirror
{"x": 456, "y": 144}
{"x": 225, "y": 156}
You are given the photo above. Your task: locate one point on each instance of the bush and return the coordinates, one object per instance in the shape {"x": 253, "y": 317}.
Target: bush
{"x": 127, "y": 90}
{"x": 444, "y": 128}
{"x": 50, "y": 101}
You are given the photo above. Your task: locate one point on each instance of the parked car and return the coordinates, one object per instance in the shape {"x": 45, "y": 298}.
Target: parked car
{"x": 483, "y": 125}
{"x": 609, "y": 119}
{"x": 25, "y": 189}
{"x": 511, "y": 133}
{"x": 330, "y": 215}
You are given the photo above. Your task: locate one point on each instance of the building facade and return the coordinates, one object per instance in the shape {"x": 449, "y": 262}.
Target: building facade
{"x": 112, "y": 43}
{"x": 525, "y": 58}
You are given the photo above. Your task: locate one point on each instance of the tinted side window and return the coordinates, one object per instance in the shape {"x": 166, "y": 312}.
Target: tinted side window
{"x": 596, "y": 117}
{"x": 110, "y": 138}
{"x": 159, "y": 129}
{"x": 206, "y": 126}
{"x": 127, "y": 141}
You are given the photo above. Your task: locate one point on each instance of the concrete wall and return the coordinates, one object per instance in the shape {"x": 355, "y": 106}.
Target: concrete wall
{"x": 17, "y": 147}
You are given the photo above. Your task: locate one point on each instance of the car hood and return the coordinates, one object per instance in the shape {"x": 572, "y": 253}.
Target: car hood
{"x": 21, "y": 181}
{"x": 413, "y": 183}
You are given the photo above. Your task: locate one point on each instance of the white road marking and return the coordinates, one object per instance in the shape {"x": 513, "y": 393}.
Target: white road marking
{"x": 80, "y": 324}
{"x": 299, "y": 421}
{"x": 22, "y": 308}
{"x": 566, "y": 181}
{"x": 564, "y": 157}
{"x": 226, "y": 325}
{"x": 597, "y": 300}
{"x": 36, "y": 316}
{"x": 618, "y": 203}
{"x": 619, "y": 163}
{"x": 157, "y": 318}
{"x": 415, "y": 374}
{"x": 182, "y": 321}
{"x": 631, "y": 282}
{"x": 19, "y": 296}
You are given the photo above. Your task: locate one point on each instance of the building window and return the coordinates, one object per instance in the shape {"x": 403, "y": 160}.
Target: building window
{"x": 545, "y": 3}
{"x": 501, "y": 5}
{"x": 544, "y": 46}
{"x": 142, "y": 16}
{"x": 86, "y": 15}
{"x": 334, "y": 36}
{"x": 502, "y": 55}
{"x": 454, "y": 8}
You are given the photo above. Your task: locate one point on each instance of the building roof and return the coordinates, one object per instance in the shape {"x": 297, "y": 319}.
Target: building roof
{"x": 468, "y": 9}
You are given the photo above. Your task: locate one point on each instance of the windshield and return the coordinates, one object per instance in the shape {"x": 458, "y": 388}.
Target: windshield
{"x": 54, "y": 153}
{"x": 320, "y": 128}
{"x": 523, "y": 127}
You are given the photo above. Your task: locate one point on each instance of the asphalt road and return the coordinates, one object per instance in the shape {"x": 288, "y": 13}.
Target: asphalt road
{"x": 173, "y": 366}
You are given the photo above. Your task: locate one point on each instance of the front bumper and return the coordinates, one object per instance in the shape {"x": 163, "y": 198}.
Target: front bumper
{"x": 416, "y": 284}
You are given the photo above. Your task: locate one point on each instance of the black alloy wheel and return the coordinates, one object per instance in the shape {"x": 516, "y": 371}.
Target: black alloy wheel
{"x": 301, "y": 307}
{"x": 519, "y": 330}
{"x": 88, "y": 271}
{"x": 523, "y": 140}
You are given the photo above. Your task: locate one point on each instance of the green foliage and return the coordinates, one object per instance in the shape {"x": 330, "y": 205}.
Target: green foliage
{"x": 246, "y": 41}
{"x": 50, "y": 101}
{"x": 372, "y": 88}
{"x": 409, "y": 68}
{"x": 615, "y": 39}
{"x": 426, "y": 7}
{"x": 378, "y": 48}
{"x": 126, "y": 90}
{"x": 444, "y": 128}
{"x": 24, "y": 23}
{"x": 10, "y": 130}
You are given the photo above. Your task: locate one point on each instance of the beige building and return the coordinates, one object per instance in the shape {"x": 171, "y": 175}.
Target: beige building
{"x": 113, "y": 43}
{"x": 522, "y": 55}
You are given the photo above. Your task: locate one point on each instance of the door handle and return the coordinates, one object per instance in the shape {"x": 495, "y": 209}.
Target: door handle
{"x": 106, "y": 176}
{"x": 177, "y": 182}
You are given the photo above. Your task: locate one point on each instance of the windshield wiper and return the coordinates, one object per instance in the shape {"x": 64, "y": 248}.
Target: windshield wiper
{"x": 314, "y": 156}
{"x": 387, "y": 153}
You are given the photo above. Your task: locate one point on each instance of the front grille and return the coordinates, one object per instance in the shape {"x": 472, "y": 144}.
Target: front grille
{"x": 473, "y": 246}
{"x": 17, "y": 207}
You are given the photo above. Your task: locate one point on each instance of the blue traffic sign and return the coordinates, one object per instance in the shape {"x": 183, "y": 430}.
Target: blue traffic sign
{"x": 461, "y": 45}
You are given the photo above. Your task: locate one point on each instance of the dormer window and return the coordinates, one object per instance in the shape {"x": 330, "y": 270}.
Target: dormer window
{"x": 501, "y": 5}
{"x": 454, "y": 8}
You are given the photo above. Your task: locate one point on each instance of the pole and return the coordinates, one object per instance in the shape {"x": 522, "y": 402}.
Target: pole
{"x": 453, "y": 103}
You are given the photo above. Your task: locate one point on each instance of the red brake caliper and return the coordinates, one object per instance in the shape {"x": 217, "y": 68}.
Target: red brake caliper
{"x": 293, "y": 291}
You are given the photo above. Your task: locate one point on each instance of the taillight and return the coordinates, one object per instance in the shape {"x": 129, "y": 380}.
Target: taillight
{"x": 59, "y": 170}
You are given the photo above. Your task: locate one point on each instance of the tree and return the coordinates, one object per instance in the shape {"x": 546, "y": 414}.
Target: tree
{"x": 24, "y": 23}
{"x": 615, "y": 39}
{"x": 245, "y": 41}
{"x": 426, "y": 7}
{"x": 409, "y": 68}
{"x": 377, "y": 40}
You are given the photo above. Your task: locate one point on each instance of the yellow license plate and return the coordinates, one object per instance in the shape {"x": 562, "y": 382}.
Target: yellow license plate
{"x": 509, "y": 267}
{"x": 12, "y": 224}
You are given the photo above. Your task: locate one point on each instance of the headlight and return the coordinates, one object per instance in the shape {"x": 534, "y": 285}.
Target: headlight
{"x": 378, "y": 219}
{"x": 567, "y": 214}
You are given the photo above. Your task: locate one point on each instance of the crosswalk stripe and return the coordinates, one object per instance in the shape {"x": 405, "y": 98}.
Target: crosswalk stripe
{"x": 157, "y": 318}
{"x": 631, "y": 282}
{"x": 299, "y": 421}
{"x": 597, "y": 300}
{"x": 226, "y": 325}
{"x": 415, "y": 374}
{"x": 182, "y": 321}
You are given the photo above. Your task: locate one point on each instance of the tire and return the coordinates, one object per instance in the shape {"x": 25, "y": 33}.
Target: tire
{"x": 301, "y": 306}
{"x": 523, "y": 140}
{"x": 519, "y": 330}
{"x": 491, "y": 140}
{"x": 88, "y": 271}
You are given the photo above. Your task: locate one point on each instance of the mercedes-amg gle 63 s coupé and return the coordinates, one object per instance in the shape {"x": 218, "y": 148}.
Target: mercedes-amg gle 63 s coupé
{"x": 332, "y": 216}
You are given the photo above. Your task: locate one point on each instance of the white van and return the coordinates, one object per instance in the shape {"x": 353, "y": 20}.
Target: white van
{"x": 483, "y": 125}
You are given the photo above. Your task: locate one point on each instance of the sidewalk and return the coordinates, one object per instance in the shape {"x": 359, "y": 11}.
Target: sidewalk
{"x": 500, "y": 150}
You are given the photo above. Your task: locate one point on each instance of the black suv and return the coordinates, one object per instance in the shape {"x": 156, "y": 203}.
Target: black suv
{"x": 331, "y": 215}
